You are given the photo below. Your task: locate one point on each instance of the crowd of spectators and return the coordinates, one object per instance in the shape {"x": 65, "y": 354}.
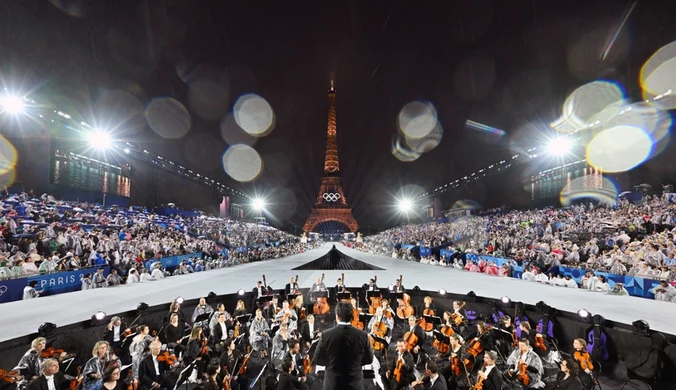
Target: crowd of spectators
{"x": 626, "y": 239}
{"x": 44, "y": 235}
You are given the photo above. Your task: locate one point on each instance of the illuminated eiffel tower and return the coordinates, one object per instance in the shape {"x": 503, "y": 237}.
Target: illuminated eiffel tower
{"x": 331, "y": 205}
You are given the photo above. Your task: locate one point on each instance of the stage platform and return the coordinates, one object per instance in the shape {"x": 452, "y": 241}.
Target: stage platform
{"x": 23, "y": 317}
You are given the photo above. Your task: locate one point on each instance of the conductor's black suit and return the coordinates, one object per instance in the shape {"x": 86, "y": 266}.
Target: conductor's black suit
{"x": 343, "y": 350}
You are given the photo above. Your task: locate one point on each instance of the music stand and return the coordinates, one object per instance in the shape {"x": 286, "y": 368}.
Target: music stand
{"x": 343, "y": 295}
{"x": 184, "y": 375}
{"x": 372, "y": 294}
{"x": 441, "y": 337}
{"x": 381, "y": 340}
{"x": 202, "y": 317}
{"x": 365, "y": 318}
{"x": 263, "y": 300}
{"x": 432, "y": 320}
{"x": 396, "y": 295}
{"x": 320, "y": 294}
{"x": 292, "y": 297}
{"x": 243, "y": 319}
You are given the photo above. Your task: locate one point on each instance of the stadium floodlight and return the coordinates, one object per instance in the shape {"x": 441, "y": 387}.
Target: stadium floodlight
{"x": 559, "y": 146}
{"x": 405, "y": 205}
{"x": 258, "y": 204}
{"x": 12, "y": 104}
{"x": 100, "y": 139}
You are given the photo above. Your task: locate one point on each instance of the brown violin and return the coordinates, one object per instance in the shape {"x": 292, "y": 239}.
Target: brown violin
{"x": 242, "y": 370}
{"x": 51, "y": 352}
{"x": 166, "y": 357}
{"x": 540, "y": 342}
{"x": 584, "y": 360}
{"x": 522, "y": 374}
{"x": 479, "y": 385}
{"x": 75, "y": 383}
{"x": 10, "y": 376}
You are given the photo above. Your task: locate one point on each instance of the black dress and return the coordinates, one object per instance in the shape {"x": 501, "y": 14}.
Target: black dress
{"x": 119, "y": 385}
{"x": 573, "y": 382}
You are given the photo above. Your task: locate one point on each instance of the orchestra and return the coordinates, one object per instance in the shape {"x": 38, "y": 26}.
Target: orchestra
{"x": 455, "y": 353}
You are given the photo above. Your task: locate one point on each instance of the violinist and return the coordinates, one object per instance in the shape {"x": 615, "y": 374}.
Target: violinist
{"x": 299, "y": 307}
{"x": 258, "y": 334}
{"x": 431, "y": 380}
{"x": 527, "y": 332}
{"x": 524, "y": 361}
{"x": 200, "y": 309}
{"x": 482, "y": 342}
{"x": 280, "y": 345}
{"x": 193, "y": 352}
{"x": 583, "y": 359}
{"x": 155, "y": 372}
{"x": 138, "y": 347}
{"x": 297, "y": 373}
{"x": 287, "y": 316}
{"x": 220, "y": 308}
{"x": 492, "y": 379}
{"x": 272, "y": 309}
{"x": 212, "y": 382}
{"x": 240, "y": 309}
{"x": 93, "y": 370}
{"x": 51, "y": 378}
{"x": 568, "y": 378}
{"x": 309, "y": 331}
{"x": 113, "y": 333}
{"x": 30, "y": 362}
{"x": 506, "y": 338}
{"x": 451, "y": 363}
{"x": 413, "y": 329}
{"x": 229, "y": 362}
{"x": 400, "y": 371}
{"x": 111, "y": 379}
{"x": 459, "y": 312}
{"x": 173, "y": 334}
{"x": 285, "y": 378}
{"x": 219, "y": 333}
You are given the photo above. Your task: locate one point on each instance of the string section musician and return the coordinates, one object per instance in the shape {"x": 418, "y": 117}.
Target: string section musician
{"x": 343, "y": 350}
{"x": 400, "y": 371}
{"x": 155, "y": 373}
{"x": 524, "y": 362}
{"x": 490, "y": 377}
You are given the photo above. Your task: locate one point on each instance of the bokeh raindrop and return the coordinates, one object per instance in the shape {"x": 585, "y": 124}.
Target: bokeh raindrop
{"x": 242, "y": 163}
{"x": 593, "y": 187}
{"x": 168, "y": 118}
{"x": 254, "y": 115}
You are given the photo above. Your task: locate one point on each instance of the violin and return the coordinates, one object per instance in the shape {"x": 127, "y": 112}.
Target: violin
{"x": 397, "y": 370}
{"x": 455, "y": 365}
{"x": 205, "y": 347}
{"x": 522, "y": 374}
{"x": 540, "y": 342}
{"x": 307, "y": 365}
{"x": 584, "y": 359}
{"x": 166, "y": 357}
{"x": 227, "y": 379}
{"x": 10, "y": 376}
{"x": 427, "y": 311}
{"x": 321, "y": 305}
{"x": 515, "y": 339}
{"x": 242, "y": 370}
{"x": 51, "y": 352}
{"x": 457, "y": 318}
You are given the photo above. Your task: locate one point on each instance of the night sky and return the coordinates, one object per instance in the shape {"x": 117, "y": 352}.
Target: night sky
{"x": 506, "y": 64}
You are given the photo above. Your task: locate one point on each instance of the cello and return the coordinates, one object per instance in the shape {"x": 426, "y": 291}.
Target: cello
{"x": 380, "y": 330}
{"x": 441, "y": 346}
{"x": 457, "y": 318}
{"x": 321, "y": 305}
{"x": 410, "y": 339}
{"x": 404, "y": 309}
{"x": 427, "y": 311}
{"x": 355, "y": 317}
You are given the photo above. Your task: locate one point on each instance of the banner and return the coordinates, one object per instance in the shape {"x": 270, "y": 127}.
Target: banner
{"x": 55, "y": 283}
{"x": 636, "y": 286}
{"x": 171, "y": 261}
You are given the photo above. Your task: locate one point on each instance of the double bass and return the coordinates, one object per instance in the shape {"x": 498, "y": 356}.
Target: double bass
{"x": 404, "y": 309}
{"x": 342, "y": 277}
{"x": 321, "y": 305}
{"x": 266, "y": 291}
{"x": 375, "y": 302}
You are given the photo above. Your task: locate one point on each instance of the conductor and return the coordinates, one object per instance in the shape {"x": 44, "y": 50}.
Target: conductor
{"x": 343, "y": 349}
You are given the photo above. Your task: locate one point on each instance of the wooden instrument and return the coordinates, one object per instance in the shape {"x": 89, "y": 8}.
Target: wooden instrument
{"x": 380, "y": 330}
{"x": 474, "y": 349}
{"x": 440, "y": 346}
{"x": 77, "y": 381}
{"x": 455, "y": 365}
{"x": 355, "y": 316}
{"x": 265, "y": 292}
{"x": 227, "y": 379}
{"x": 397, "y": 370}
{"x": 405, "y": 309}
{"x": 9, "y": 376}
{"x": 522, "y": 374}
{"x": 479, "y": 385}
{"x": 296, "y": 290}
{"x": 375, "y": 302}
{"x": 242, "y": 370}
{"x": 584, "y": 359}
{"x": 342, "y": 277}
{"x": 457, "y": 318}
{"x": 321, "y": 305}
{"x": 410, "y": 338}
{"x": 540, "y": 342}
{"x": 515, "y": 339}
{"x": 51, "y": 352}
{"x": 427, "y": 312}
{"x": 166, "y": 357}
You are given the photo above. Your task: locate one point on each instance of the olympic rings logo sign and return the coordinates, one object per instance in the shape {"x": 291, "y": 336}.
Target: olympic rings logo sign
{"x": 331, "y": 197}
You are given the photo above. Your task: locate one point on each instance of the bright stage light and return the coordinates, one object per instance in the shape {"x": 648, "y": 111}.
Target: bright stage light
{"x": 179, "y": 300}
{"x": 405, "y": 205}
{"x": 11, "y": 104}
{"x": 258, "y": 204}
{"x": 127, "y": 150}
{"x": 506, "y": 300}
{"x": 559, "y": 146}
{"x": 583, "y": 313}
{"x": 241, "y": 292}
{"x": 442, "y": 291}
{"x": 100, "y": 139}
{"x": 99, "y": 315}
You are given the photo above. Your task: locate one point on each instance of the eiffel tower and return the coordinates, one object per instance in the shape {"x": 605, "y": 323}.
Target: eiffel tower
{"x": 331, "y": 204}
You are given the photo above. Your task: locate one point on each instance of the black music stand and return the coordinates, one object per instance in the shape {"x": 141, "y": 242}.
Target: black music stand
{"x": 202, "y": 317}
{"x": 343, "y": 295}
{"x": 381, "y": 340}
{"x": 243, "y": 319}
{"x": 320, "y": 294}
{"x": 396, "y": 295}
{"x": 264, "y": 300}
{"x": 436, "y": 321}
{"x": 441, "y": 337}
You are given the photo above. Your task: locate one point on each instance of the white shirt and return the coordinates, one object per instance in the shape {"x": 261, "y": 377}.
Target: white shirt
{"x": 157, "y": 365}
{"x": 488, "y": 370}
{"x": 116, "y": 333}
{"x": 225, "y": 331}
{"x": 311, "y": 327}
{"x": 50, "y": 382}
